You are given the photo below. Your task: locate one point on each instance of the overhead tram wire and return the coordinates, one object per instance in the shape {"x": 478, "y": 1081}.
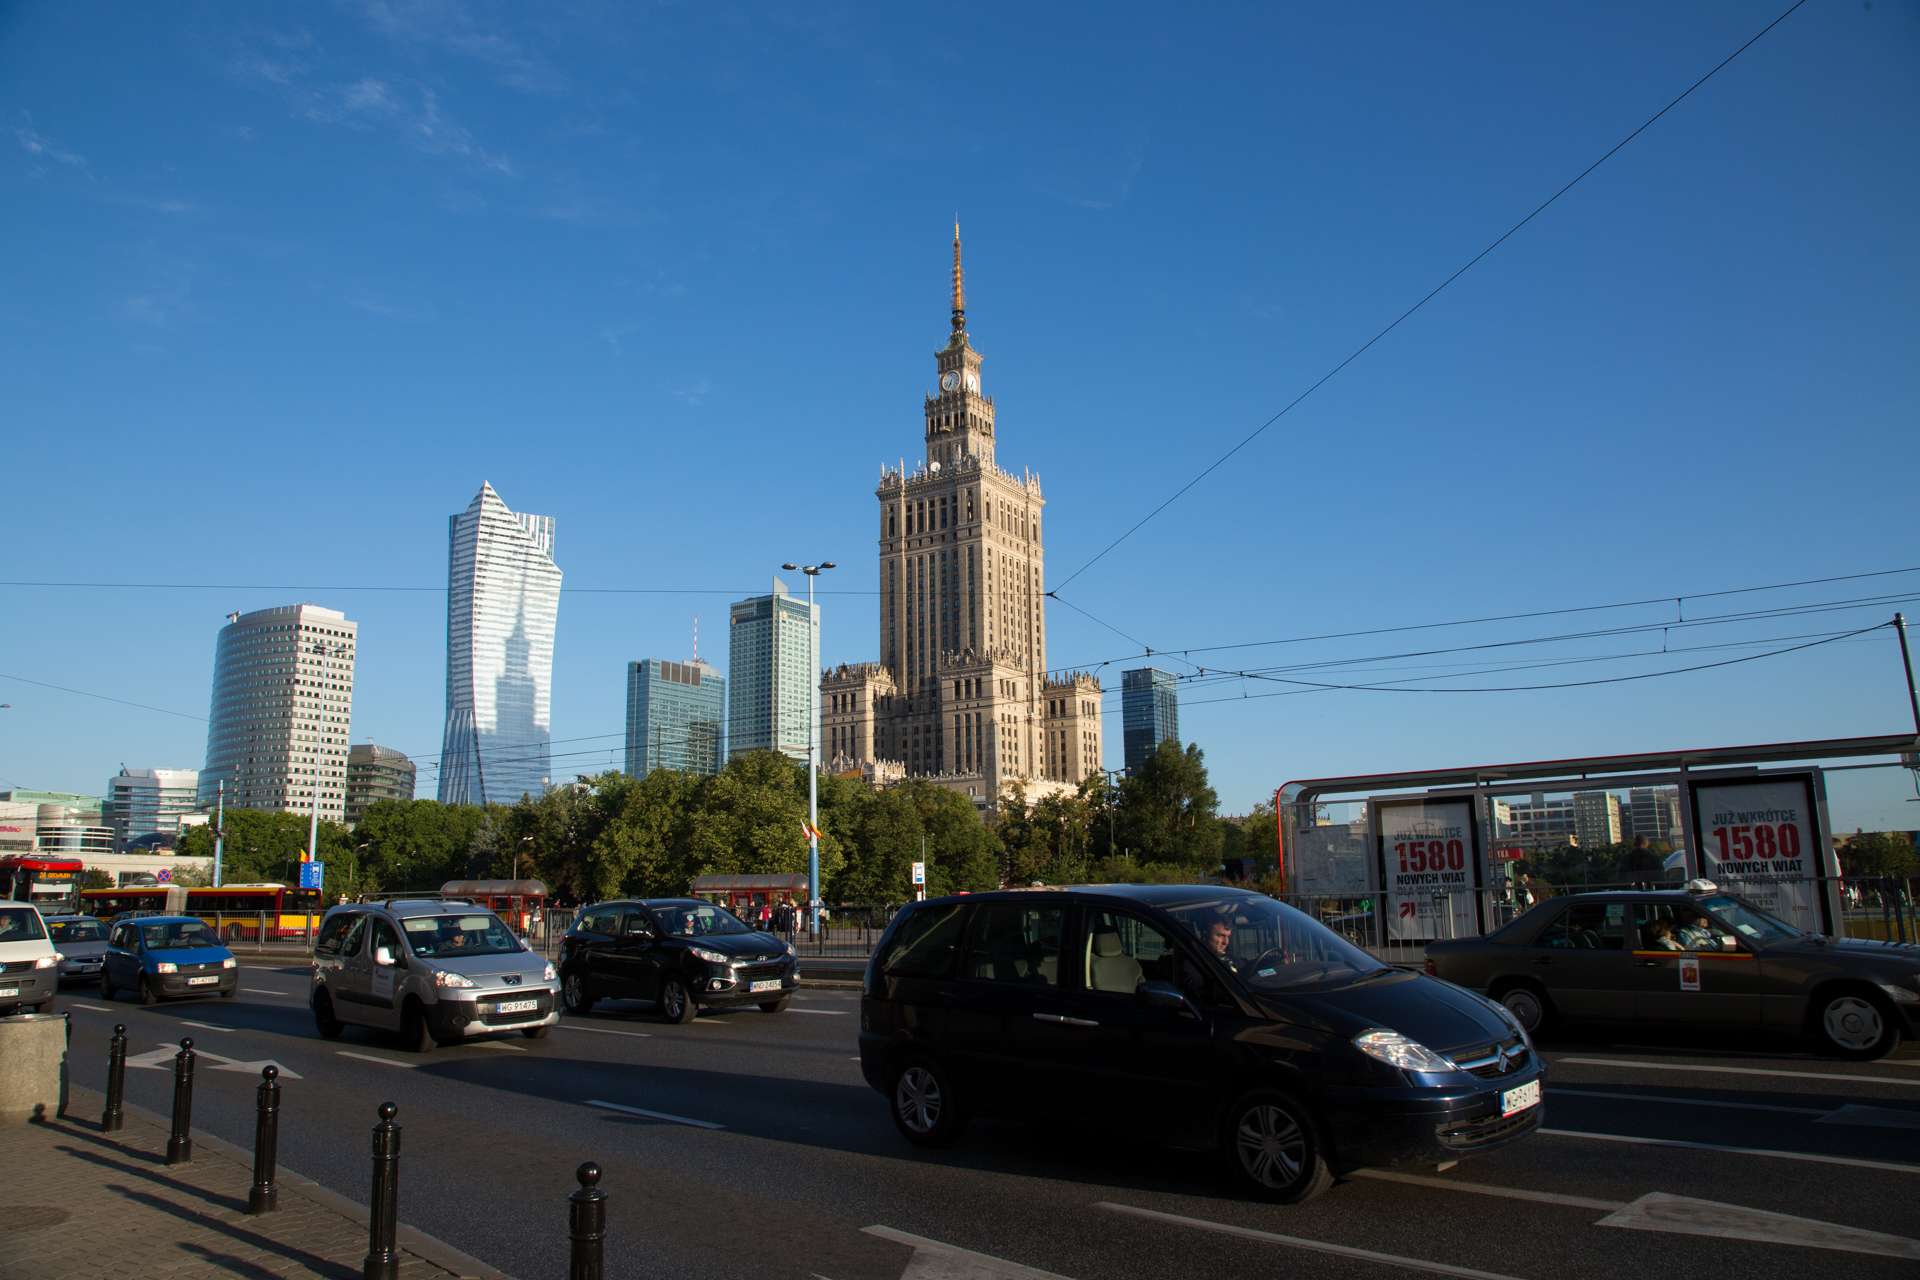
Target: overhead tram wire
{"x": 1331, "y": 373}
{"x": 272, "y": 586}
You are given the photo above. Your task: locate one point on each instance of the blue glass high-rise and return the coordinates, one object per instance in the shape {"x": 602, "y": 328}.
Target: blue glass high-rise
{"x": 676, "y": 717}
{"x": 1149, "y": 713}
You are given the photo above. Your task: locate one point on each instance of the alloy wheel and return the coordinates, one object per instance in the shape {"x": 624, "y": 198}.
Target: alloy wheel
{"x": 1272, "y": 1146}
{"x": 1524, "y": 1005}
{"x": 918, "y": 1098}
{"x": 1852, "y": 1023}
{"x": 670, "y": 1001}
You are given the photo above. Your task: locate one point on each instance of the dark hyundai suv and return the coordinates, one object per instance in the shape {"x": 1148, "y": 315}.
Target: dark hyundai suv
{"x": 680, "y": 952}
{"x": 1197, "y": 1015}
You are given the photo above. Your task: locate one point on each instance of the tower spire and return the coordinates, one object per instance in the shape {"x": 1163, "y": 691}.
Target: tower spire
{"x": 959, "y": 288}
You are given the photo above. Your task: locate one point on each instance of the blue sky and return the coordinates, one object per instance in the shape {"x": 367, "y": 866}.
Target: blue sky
{"x": 286, "y": 283}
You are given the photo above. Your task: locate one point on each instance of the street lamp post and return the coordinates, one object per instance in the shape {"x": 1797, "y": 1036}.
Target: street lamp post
{"x": 813, "y": 750}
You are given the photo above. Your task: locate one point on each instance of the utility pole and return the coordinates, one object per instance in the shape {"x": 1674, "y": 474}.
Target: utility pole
{"x": 813, "y": 743}
{"x": 219, "y": 830}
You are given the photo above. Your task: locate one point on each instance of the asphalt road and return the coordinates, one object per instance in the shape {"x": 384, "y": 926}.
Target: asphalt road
{"x": 767, "y": 1155}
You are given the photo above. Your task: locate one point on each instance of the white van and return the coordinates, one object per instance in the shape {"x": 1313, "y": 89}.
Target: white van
{"x": 29, "y": 965}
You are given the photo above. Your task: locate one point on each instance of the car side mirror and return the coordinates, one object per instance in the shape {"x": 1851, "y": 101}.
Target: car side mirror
{"x": 383, "y": 956}
{"x": 1166, "y": 996}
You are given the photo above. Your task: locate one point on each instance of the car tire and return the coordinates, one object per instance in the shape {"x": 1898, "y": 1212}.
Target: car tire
{"x": 1849, "y": 1023}
{"x": 776, "y": 1006}
{"x": 676, "y": 1002}
{"x": 535, "y": 1033}
{"x": 147, "y": 994}
{"x": 924, "y": 1106}
{"x": 1529, "y": 1005}
{"x": 574, "y": 994}
{"x": 107, "y": 991}
{"x": 1273, "y": 1148}
{"x": 323, "y": 1019}
{"x": 415, "y": 1035}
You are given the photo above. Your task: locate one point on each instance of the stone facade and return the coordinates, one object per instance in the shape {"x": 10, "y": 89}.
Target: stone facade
{"x": 961, "y": 694}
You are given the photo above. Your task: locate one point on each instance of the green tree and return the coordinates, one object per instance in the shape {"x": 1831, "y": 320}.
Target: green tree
{"x": 403, "y": 845}
{"x": 1878, "y": 853}
{"x": 1166, "y": 810}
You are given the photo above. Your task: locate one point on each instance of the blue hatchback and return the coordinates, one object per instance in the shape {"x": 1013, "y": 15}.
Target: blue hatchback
{"x": 163, "y": 956}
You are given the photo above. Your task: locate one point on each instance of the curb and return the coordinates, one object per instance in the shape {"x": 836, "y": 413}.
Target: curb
{"x": 419, "y": 1243}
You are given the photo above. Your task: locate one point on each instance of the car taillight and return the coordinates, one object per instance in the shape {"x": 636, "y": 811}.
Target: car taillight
{"x": 1431, "y": 971}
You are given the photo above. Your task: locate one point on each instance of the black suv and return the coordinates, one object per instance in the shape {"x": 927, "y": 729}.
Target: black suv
{"x": 1195, "y": 1014}
{"x": 680, "y": 952}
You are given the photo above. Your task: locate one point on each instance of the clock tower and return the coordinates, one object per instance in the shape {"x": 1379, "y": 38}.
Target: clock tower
{"x": 961, "y": 695}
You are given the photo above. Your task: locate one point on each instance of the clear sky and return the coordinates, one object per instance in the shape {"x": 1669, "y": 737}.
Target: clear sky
{"x": 283, "y": 284}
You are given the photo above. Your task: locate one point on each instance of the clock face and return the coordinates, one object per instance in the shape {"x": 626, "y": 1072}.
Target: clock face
{"x": 949, "y": 381}
{"x": 973, "y": 382}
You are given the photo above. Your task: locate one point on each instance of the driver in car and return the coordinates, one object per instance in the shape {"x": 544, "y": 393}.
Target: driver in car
{"x": 1218, "y": 938}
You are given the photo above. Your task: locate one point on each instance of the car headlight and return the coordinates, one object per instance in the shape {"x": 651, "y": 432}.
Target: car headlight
{"x": 549, "y": 975}
{"x": 47, "y": 962}
{"x": 1396, "y": 1050}
{"x": 229, "y": 963}
{"x": 711, "y": 957}
{"x": 441, "y": 978}
{"x": 166, "y": 966}
{"x": 1901, "y": 995}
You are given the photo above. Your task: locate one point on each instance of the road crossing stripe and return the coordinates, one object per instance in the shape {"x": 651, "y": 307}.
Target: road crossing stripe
{"x": 208, "y": 1025}
{"x": 367, "y": 1057}
{"x": 837, "y": 1013}
{"x": 652, "y": 1115}
{"x": 1316, "y": 1246}
{"x": 606, "y": 1031}
{"x": 1485, "y": 1189}
{"x": 95, "y": 1007}
{"x": 262, "y": 991}
{"x": 1739, "y": 1151}
{"x": 1732, "y": 1071}
{"x": 1690, "y": 1102}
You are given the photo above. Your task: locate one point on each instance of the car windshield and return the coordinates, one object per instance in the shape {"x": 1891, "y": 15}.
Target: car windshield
{"x": 684, "y": 920}
{"x": 78, "y": 931}
{"x": 1272, "y": 946}
{"x": 20, "y": 924}
{"x": 456, "y": 937}
{"x": 1756, "y": 927}
{"x": 178, "y": 935}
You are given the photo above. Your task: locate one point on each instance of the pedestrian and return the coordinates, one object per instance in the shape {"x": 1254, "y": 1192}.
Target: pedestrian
{"x": 1641, "y": 866}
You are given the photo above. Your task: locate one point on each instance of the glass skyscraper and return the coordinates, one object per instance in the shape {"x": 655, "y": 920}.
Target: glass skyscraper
{"x": 676, "y": 717}
{"x": 1149, "y": 712}
{"x": 773, "y": 668}
{"x": 503, "y": 597}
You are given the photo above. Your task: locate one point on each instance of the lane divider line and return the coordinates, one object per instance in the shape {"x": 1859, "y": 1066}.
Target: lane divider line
{"x": 1739, "y": 1151}
{"x": 652, "y": 1115}
{"x": 262, "y": 991}
{"x": 1689, "y": 1102}
{"x": 835, "y": 1013}
{"x": 1315, "y": 1246}
{"x": 367, "y": 1057}
{"x": 1485, "y": 1189}
{"x": 497, "y": 1044}
{"x": 97, "y": 1008}
{"x": 1734, "y": 1071}
{"x": 955, "y": 1262}
{"x": 606, "y": 1031}
{"x": 207, "y": 1025}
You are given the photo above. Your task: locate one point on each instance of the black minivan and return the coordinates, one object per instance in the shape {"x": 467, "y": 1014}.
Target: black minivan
{"x": 1198, "y": 1015}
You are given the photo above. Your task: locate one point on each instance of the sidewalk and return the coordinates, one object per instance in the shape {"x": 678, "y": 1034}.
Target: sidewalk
{"x": 83, "y": 1204}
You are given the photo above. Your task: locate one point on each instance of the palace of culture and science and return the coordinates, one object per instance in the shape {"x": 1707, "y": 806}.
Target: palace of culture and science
{"x": 961, "y": 695}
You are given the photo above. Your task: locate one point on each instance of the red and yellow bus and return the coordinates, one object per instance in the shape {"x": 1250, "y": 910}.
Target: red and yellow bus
{"x": 518, "y": 902}
{"x": 49, "y": 883}
{"x": 236, "y": 911}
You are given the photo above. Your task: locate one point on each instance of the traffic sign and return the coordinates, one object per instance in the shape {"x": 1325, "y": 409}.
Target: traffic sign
{"x": 919, "y": 873}
{"x": 311, "y": 873}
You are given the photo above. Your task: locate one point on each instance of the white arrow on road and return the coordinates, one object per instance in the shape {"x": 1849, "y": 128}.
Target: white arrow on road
{"x": 161, "y": 1059}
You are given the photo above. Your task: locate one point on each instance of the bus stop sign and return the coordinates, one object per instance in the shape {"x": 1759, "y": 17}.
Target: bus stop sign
{"x": 311, "y": 873}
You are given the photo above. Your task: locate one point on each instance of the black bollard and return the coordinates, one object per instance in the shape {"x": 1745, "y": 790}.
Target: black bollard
{"x": 264, "y": 1197}
{"x": 587, "y": 1225}
{"x": 180, "y": 1141}
{"x": 116, "y": 1080}
{"x": 383, "y": 1259}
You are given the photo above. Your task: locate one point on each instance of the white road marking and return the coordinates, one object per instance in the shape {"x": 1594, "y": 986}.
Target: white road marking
{"x": 262, "y": 991}
{"x": 367, "y": 1057}
{"x": 95, "y": 1007}
{"x": 161, "y": 1059}
{"x": 606, "y": 1031}
{"x": 208, "y": 1025}
{"x": 1734, "y": 1071}
{"x": 1877, "y": 1117}
{"x": 837, "y": 1013}
{"x": 1658, "y": 1211}
{"x": 652, "y": 1115}
{"x": 497, "y": 1044}
{"x": 1484, "y": 1189}
{"x": 711, "y": 1021}
{"x": 1689, "y": 1102}
{"x": 933, "y": 1260}
{"x": 1741, "y": 1151}
{"x": 1315, "y": 1246}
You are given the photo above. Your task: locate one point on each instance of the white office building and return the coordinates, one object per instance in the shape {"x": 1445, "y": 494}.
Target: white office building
{"x": 503, "y": 599}
{"x": 282, "y": 709}
{"x": 146, "y": 806}
{"x": 773, "y": 662}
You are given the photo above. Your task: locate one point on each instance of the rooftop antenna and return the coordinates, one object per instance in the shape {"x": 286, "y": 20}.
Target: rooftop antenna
{"x": 696, "y": 637}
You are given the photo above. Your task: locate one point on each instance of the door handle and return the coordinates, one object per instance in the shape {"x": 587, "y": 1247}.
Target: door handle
{"x": 1050, "y": 1017}
{"x": 1080, "y": 1022}
{"x": 1543, "y": 959}
{"x": 1646, "y": 964}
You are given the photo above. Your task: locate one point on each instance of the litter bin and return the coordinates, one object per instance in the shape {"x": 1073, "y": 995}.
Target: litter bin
{"x": 33, "y": 1067}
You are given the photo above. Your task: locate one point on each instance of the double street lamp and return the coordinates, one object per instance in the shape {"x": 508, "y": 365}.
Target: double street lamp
{"x": 813, "y": 747}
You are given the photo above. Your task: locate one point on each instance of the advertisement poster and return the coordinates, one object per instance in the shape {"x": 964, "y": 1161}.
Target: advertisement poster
{"x": 1428, "y": 869}
{"x": 1761, "y": 840}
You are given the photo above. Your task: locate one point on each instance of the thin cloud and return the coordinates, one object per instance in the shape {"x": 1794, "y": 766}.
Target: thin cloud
{"x": 40, "y": 146}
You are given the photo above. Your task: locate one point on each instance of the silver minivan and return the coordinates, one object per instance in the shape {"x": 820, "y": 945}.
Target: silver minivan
{"x": 431, "y": 970}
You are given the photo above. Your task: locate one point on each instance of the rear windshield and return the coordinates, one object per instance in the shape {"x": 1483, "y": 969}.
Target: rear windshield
{"x": 456, "y": 937}
{"x": 78, "y": 931}
{"x": 178, "y": 935}
{"x": 697, "y": 921}
{"x": 20, "y": 924}
{"x": 1271, "y": 946}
